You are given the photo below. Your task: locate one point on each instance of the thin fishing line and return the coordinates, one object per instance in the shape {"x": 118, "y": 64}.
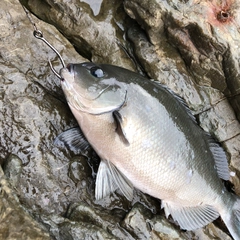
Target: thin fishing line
{"x": 39, "y": 35}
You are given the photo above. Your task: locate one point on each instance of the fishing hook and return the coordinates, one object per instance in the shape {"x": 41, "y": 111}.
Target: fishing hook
{"x": 39, "y": 35}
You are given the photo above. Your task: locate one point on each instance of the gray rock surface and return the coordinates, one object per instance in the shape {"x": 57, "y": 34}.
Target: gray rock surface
{"x": 15, "y": 222}
{"x": 47, "y": 192}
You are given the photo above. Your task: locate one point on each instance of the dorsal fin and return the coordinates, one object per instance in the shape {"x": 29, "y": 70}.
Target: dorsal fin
{"x": 218, "y": 153}
{"x": 179, "y": 99}
{"x": 220, "y": 158}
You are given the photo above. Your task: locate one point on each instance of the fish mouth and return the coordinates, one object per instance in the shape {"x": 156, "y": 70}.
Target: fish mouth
{"x": 70, "y": 67}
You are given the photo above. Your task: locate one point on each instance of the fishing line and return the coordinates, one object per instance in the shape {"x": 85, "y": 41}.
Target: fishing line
{"x": 39, "y": 35}
{"x": 30, "y": 18}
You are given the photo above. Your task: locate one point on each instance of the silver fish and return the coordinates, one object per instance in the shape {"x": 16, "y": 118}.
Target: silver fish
{"x": 147, "y": 138}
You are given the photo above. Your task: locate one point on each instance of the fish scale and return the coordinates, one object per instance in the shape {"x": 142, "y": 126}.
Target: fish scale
{"x": 147, "y": 138}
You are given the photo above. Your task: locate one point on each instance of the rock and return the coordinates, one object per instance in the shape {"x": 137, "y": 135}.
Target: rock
{"x": 82, "y": 230}
{"x": 164, "y": 230}
{"x": 97, "y": 37}
{"x": 211, "y": 232}
{"x": 33, "y": 112}
{"x": 221, "y": 121}
{"x": 136, "y": 222}
{"x": 16, "y": 223}
{"x": 13, "y": 169}
{"x": 99, "y": 218}
{"x": 62, "y": 228}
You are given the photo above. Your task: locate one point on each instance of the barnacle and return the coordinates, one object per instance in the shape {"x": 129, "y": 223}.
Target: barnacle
{"x": 223, "y": 16}
{"x": 220, "y": 12}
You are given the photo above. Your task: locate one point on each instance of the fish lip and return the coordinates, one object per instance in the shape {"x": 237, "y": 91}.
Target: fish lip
{"x": 70, "y": 67}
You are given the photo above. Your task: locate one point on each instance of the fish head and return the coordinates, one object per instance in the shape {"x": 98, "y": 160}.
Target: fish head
{"x": 91, "y": 88}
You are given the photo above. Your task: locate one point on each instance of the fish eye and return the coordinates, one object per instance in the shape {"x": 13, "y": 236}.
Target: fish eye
{"x": 97, "y": 72}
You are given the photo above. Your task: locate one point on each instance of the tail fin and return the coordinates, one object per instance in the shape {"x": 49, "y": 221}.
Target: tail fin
{"x": 232, "y": 219}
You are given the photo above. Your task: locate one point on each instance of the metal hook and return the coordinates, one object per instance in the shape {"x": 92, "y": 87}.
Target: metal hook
{"x": 39, "y": 35}
{"x": 54, "y": 71}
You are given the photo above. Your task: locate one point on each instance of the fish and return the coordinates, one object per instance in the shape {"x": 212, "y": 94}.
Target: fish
{"x": 147, "y": 138}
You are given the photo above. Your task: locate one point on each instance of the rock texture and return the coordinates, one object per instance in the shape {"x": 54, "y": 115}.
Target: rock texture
{"x": 47, "y": 192}
{"x": 15, "y": 222}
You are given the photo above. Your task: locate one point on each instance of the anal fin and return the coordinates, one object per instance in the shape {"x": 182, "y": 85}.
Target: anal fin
{"x": 190, "y": 218}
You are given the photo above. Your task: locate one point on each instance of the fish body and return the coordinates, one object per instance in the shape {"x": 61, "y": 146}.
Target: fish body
{"x": 147, "y": 138}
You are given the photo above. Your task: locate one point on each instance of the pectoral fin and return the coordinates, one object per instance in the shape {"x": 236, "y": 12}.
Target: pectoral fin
{"x": 109, "y": 178}
{"x": 120, "y": 127}
{"x": 72, "y": 139}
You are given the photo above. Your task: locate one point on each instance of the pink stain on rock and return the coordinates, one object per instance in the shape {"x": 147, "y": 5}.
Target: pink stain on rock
{"x": 220, "y": 13}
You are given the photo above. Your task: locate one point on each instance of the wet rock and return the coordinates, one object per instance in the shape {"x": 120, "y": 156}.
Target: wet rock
{"x": 13, "y": 169}
{"x": 62, "y": 228}
{"x": 32, "y": 114}
{"x": 98, "y": 217}
{"x": 79, "y": 230}
{"x": 163, "y": 229}
{"x": 96, "y": 35}
{"x": 136, "y": 222}
{"x": 15, "y": 222}
{"x": 211, "y": 232}
{"x": 221, "y": 121}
